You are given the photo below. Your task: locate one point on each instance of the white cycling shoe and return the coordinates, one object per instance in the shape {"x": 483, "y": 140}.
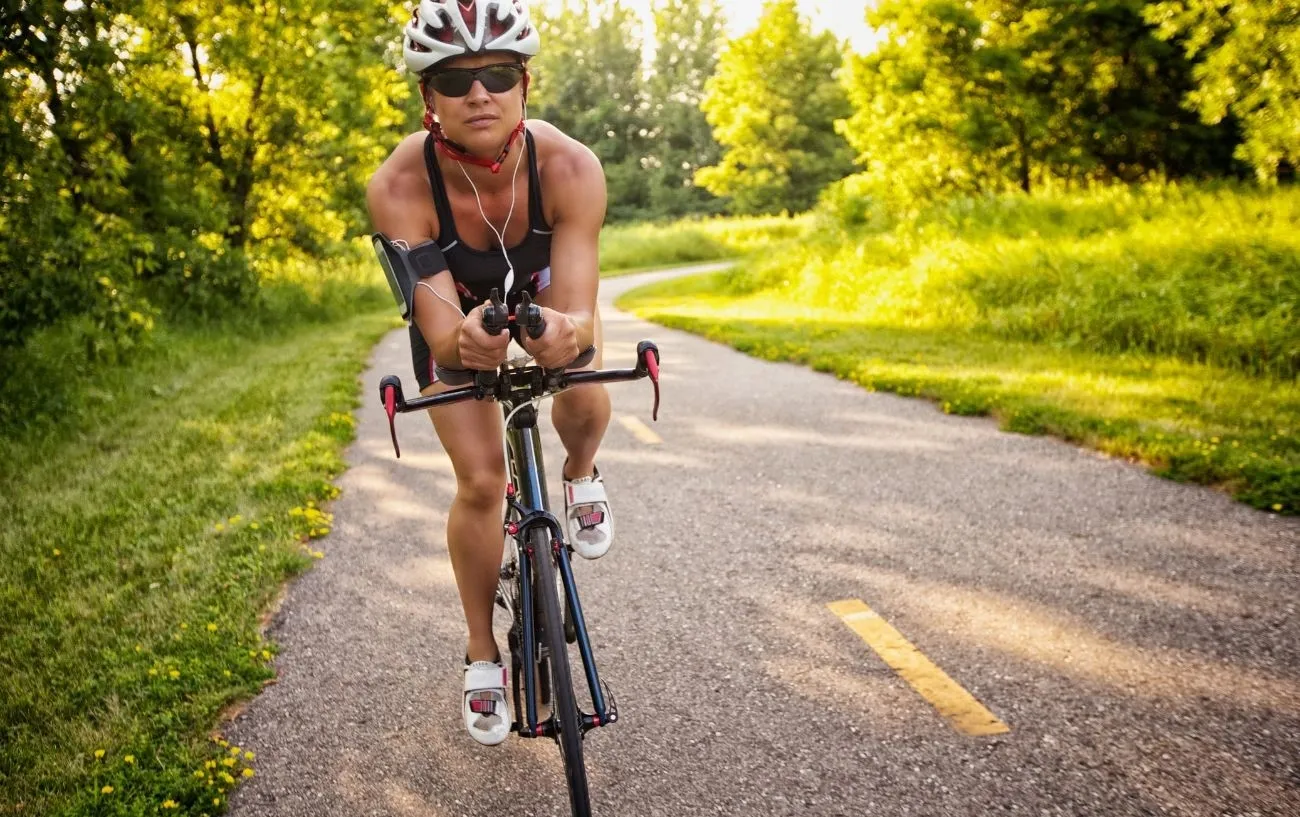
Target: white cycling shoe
{"x": 487, "y": 717}
{"x": 587, "y": 519}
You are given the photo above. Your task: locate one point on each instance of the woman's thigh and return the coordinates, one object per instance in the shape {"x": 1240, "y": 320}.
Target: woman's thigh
{"x": 470, "y": 433}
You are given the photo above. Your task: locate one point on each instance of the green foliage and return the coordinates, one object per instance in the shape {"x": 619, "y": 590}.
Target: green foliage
{"x": 129, "y": 609}
{"x": 688, "y": 34}
{"x": 993, "y": 95}
{"x": 1250, "y": 69}
{"x": 589, "y": 85}
{"x": 771, "y": 104}
{"x": 1188, "y": 421}
{"x": 1205, "y": 275}
{"x": 44, "y": 384}
{"x": 173, "y": 148}
{"x": 628, "y": 247}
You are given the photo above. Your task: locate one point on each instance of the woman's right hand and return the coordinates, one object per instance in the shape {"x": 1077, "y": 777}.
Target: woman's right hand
{"x": 479, "y": 350}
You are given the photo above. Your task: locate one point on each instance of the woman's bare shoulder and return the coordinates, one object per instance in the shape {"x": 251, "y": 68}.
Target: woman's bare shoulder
{"x": 402, "y": 175}
{"x": 398, "y": 195}
{"x": 560, "y": 156}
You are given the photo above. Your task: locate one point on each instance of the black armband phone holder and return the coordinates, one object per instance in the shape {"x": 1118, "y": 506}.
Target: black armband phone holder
{"x": 405, "y": 267}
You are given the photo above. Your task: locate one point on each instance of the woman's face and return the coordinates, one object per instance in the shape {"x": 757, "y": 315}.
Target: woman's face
{"x": 481, "y": 121}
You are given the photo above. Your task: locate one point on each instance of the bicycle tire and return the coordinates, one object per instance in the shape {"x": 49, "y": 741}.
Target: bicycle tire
{"x": 564, "y": 704}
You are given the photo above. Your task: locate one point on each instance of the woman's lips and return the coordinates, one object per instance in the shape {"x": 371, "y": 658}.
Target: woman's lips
{"x": 481, "y": 121}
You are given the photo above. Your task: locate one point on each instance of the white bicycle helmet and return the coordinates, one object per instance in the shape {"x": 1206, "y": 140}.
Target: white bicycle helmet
{"x": 442, "y": 29}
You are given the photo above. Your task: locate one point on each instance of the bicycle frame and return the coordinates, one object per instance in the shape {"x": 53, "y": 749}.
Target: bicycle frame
{"x": 526, "y": 499}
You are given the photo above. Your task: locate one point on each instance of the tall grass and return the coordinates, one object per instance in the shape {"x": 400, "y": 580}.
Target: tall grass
{"x": 51, "y": 383}
{"x": 1206, "y": 275}
{"x": 639, "y": 246}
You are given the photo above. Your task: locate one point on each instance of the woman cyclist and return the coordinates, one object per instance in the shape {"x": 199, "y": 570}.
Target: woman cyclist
{"x": 509, "y": 203}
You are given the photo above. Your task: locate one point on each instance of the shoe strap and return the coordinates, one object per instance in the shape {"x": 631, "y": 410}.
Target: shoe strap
{"x": 484, "y": 676}
{"x": 585, "y": 491}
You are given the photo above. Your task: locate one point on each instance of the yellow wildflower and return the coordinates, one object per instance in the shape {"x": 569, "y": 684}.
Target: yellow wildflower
{"x": 266, "y": 654}
{"x": 226, "y": 777}
{"x": 248, "y": 755}
{"x": 170, "y": 804}
{"x": 106, "y": 790}
{"x": 253, "y": 526}
{"x": 129, "y": 759}
{"x": 212, "y": 627}
{"x": 1277, "y": 506}
{"x": 234, "y": 751}
{"x": 230, "y": 761}
{"x": 99, "y": 753}
{"x": 248, "y": 772}
{"x": 58, "y": 552}
{"x": 174, "y": 674}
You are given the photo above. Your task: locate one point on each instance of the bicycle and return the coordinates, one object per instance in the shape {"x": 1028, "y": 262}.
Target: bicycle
{"x": 530, "y": 588}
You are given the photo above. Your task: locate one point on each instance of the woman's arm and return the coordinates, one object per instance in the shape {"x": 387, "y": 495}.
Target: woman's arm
{"x": 578, "y": 201}
{"x": 392, "y": 198}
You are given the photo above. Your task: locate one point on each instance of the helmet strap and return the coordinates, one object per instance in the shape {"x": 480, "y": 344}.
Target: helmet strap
{"x": 460, "y": 154}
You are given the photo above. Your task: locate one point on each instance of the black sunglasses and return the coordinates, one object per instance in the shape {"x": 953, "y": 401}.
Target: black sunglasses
{"x": 496, "y": 79}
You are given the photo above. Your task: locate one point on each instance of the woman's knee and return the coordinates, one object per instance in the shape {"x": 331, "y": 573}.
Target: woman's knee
{"x": 482, "y": 486}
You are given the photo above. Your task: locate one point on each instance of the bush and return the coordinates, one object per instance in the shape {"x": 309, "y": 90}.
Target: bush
{"x": 1207, "y": 275}
{"x": 692, "y": 240}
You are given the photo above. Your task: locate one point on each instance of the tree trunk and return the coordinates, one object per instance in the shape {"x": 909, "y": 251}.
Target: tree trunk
{"x": 242, "y": 188}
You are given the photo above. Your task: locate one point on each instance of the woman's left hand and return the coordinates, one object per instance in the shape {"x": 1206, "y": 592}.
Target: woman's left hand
{"x": 558, "y": 345}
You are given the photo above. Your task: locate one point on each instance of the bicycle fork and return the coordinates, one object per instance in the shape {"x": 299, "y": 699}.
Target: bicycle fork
{"x": 604, "y": 706}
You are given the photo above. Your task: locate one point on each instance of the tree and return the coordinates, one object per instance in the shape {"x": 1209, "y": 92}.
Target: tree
{"x": 1250, "y": 69}
{"x": 688, "y": 35}
{"x": 995, "y": 94}
{"x": 156, "y": 149}
{"x": 772, "y": 105}
{"x": 589, "y": 85}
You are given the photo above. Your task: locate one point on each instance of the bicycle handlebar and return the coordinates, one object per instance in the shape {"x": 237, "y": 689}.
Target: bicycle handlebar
{"x": 524, "y": 383}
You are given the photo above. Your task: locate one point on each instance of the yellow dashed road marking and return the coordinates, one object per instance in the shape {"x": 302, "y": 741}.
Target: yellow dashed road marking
{"x": 966, "y": 714}
{"x": 639, "y": 430}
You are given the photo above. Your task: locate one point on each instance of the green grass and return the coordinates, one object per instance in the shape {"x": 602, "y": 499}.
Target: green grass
{"x": 1189, "y": 421}
{"x": 628, "y": 248}
{"x": 1204, "y": 275}
{"x": 144, "y": 533}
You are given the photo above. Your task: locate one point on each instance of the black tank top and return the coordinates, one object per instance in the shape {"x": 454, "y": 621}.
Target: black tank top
{"x": 478, "y": 272}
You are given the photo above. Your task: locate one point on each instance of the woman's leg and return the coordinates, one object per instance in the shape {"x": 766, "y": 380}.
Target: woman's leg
{"x": 471, "y": 435}
{"x": 581, "y": 415}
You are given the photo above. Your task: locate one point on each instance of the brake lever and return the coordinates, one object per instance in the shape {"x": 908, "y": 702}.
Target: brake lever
{"x": 390, "y": 392}
{"x": 648, "y": 364}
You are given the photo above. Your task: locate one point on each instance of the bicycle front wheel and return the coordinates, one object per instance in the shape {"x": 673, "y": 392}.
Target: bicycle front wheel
{"x": 564, "y": 706}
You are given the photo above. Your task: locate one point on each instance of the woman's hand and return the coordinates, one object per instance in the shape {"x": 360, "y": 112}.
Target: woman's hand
{"x": 479, "y": 350}
{"x": 558, "y": 345}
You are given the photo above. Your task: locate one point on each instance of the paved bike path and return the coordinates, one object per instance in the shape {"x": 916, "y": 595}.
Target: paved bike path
{"x": 1139, "y": 637}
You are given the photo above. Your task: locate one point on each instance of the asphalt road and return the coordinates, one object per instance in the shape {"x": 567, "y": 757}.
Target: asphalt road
{"x": 1138, "y": 637}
